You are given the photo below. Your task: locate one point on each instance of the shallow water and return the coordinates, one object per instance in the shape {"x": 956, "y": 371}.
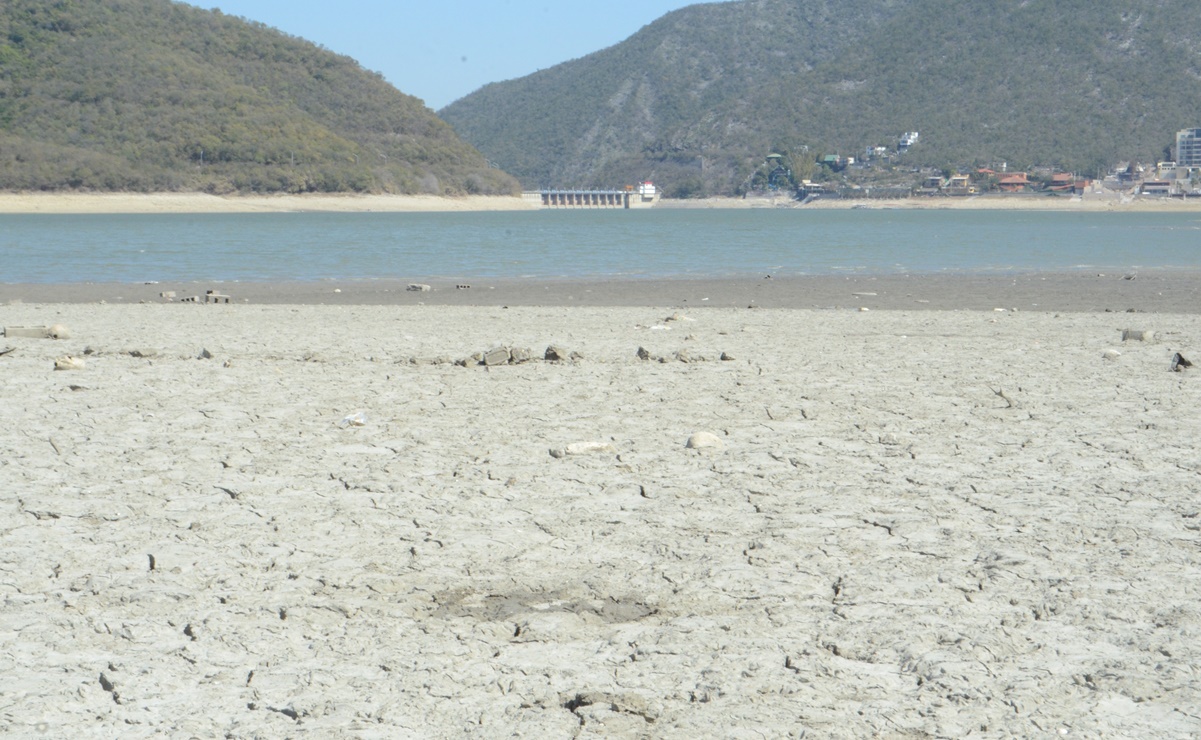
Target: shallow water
{"x": 577, "y": 244}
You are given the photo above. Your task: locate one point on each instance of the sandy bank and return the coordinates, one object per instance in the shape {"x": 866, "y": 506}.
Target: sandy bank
{"x": 932, "y": 524}
{"x": 1156, "y": 291}
{"x": 202, "y": 203}
{"x": 1086, "y": 204}
{"x": 65, "y": 203}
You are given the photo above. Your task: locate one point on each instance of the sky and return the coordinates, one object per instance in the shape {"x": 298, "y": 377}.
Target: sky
{"x": 441, "y": 50}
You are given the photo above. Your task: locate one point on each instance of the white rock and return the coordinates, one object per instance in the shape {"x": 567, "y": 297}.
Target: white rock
{"x": 582, "y": 448}
{"x": 68, "y": 363}
{"x": 1111, "y": 354}
{"x": 704, "y": 440}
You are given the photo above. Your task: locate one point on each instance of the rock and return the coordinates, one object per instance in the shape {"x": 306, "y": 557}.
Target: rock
{"x": 31, "y": 332}
{"x": 418, "y": 288}
{"x": 58, "y": 331}
{"x": 685, "y": 356}
{"x": 704, "y": 440}
{"x": 1179, "y": 363}
{"x": 726, "y": 357}
{"x": 643, "y": 354}
{"x": 582, "y": 448}
{"x": 518, "y": 355}
{"x": 1111, "y": 354}
{"x": 68, "y": 363}
{"x": 204, "y": 355}
{"x": 554, "y": 354}
{"x": 497, "y": 356}
{"x": 1137, "y": 335}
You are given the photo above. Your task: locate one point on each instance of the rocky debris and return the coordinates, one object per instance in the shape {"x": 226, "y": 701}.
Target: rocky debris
{"x": 497, "y": 356}
{"x": 1179, "y": 363}
{"x": 68, "y": 362}
{"x": 441, "y": 360}
{"x": 418, "y": 288}
{"x": 582, "y": 448}
{"x": 1137, "y": 335}
{"x": 1111, "y": 354}
{"x": 683, "y": 355}
{"x": 503, "y": 356}
{"x": 518, "y": 355}
{"x": 57, "y": 331}
{"x": 204, "y": 355}
{"x": 555, "y": 353}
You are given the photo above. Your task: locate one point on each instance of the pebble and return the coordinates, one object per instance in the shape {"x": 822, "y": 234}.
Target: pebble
{"x": 582, "y": 448}
{"x": 704, "y": 440}
{"x": 69, "y": 363}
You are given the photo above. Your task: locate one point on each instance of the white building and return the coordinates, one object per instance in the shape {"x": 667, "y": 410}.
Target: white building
{"x": 1188, "y": 147}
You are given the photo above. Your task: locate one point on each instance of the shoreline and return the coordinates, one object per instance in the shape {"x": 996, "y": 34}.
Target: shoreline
{"x": 1162, "y": 291}
{"x": 28, "y": 203}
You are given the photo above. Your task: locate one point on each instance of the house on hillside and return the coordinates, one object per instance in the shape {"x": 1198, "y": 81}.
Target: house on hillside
{"x": 1068, "y": 184}
{"x": 932, "y": 185}
{"x": 959, "y": 185}
{"x": 1015, "y": 182}
{"x": 834, "y": 161}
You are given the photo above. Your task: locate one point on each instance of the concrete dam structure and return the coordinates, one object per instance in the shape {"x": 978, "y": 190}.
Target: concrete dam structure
{"x": 646, "y": 195}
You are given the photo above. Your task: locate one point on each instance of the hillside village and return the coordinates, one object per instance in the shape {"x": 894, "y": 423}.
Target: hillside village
{"x": 882, "y": 172}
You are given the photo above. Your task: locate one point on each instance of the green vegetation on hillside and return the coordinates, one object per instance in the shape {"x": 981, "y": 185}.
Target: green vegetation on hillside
{"x": 698, "y": 98}
{"x": 153, "y": 95}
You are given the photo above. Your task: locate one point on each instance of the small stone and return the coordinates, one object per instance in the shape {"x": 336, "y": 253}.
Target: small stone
{"x": 554, "y": 354}
{"x": 1111, "y": 354}
{"x": 727, "y": 357}
{"x": 68, "y": 363}
{"x": 1137, "y": 335}
{"x": 519, "y": 355}
{"x": 497, "y": 356}
{"x": 204, "y": 355}
{"x": 418, "y": 288}
{"x": 643, "y": 354}
{"x": 704, "y": 440}
{"x": 582, "y": 448}
{"x": 58, "y": 331}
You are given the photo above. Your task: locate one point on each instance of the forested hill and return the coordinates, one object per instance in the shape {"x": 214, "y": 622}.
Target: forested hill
{"x": 698, "y": 98}
{"x": 155, "y": 95}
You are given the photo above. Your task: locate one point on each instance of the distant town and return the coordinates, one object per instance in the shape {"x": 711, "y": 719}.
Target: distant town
{"x": 881, "y": 173}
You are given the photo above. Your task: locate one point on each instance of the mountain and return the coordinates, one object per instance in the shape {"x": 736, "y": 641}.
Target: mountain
{"x": 697, "y": 99}
{"x": 155, "y": 95}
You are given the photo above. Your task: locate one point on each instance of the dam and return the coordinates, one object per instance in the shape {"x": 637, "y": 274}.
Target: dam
{"x": 645, "y": 195}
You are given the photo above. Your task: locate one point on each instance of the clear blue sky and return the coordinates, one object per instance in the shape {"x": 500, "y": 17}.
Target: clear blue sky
{"x": 441, "y": 50}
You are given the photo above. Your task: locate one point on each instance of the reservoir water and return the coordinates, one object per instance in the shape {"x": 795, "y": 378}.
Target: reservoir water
{"x": 660, "y": 243}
